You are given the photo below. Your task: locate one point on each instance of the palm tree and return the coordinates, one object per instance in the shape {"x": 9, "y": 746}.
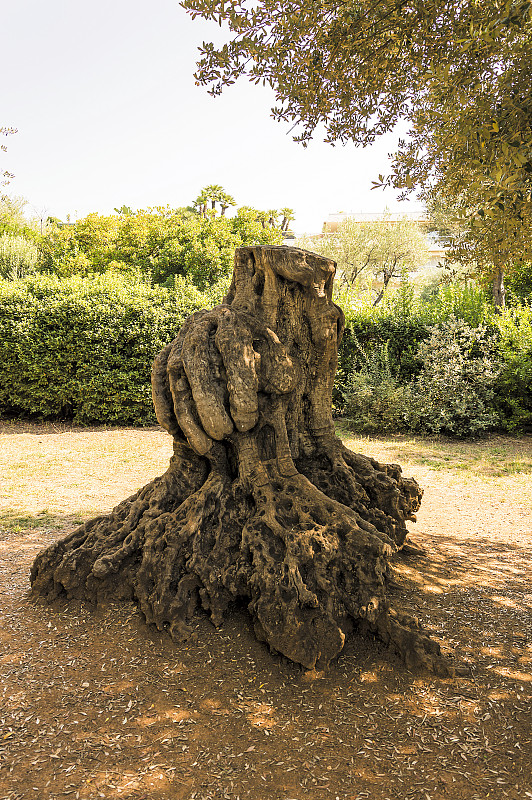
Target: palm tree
{"x": 214, "y": 194}
{"x": 272, "y": 217}
{"x": 201, "y": 202}
{"x": 225, "y": 201}
{"x": 288, "y": 216}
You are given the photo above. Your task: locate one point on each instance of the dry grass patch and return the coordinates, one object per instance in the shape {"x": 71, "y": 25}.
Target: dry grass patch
{"x": 497, "y": 464}
{"x": 52, "y": 471}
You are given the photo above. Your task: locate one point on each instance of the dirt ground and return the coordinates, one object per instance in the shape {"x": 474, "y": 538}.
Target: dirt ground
{"x": 95, "y": 704}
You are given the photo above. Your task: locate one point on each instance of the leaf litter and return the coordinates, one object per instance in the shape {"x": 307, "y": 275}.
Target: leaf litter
{"x": 93, "y": 703}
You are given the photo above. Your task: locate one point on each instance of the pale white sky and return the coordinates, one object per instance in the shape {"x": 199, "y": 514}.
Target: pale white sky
{"x": 103, "y": 96}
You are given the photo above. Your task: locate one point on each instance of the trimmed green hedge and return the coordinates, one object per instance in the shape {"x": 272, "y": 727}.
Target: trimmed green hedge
{"x": 82, "y": 348}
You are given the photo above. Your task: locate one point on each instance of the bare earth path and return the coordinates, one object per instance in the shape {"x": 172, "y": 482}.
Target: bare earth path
{"x": 98, "y": 705}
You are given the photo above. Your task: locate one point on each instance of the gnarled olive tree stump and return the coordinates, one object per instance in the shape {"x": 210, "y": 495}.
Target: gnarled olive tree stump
{"x": 261, "y": 502}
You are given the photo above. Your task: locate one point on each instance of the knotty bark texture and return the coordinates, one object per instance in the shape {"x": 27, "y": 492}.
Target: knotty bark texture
{"x": 261, "y": 502}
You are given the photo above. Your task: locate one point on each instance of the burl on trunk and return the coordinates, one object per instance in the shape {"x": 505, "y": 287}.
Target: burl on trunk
{"x": 261, "y": 502}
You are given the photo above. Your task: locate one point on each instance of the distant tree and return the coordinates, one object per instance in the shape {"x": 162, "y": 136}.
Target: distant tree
{"x": 402, "y": 249}
{"x": 263, "y": 217}
{"x": 353, "y": 246}
{"x": 249, "y": 222}
{"x": 287, "y": 217}
{"x": 225, "y": 201}
{"x": 81, "y": 248}
{"x": 12, "y": 219}
{"x": 371, "y": 252}
{"x": 489, "y": 247}
{"x": 18, "y": 256}
{"x": 200, "y": 203}
{"x": 270, "y": 218}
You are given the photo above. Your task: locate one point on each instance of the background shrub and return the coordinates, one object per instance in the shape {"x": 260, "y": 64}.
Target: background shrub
{"x": 400, "y": 324}
{"x": 454, "y": 391}
{"x": 513, "y": 389}
{"x": 82, "y": 347}
{"x": 374, "y": 400}
{"x": 18, "y": 257}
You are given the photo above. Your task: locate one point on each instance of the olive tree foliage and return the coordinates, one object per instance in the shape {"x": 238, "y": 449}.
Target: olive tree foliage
{"x": 475, "y": 157}
{"x": 457, "y": 73}
{"x": 487, "y": 249}
{"x": 471, "y": 138}
{"x": 369, "y": 253}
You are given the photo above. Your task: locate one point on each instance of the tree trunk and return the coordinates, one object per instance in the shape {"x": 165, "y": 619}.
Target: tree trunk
{"x": 261, "y": 502}
{"x": 387, "y": 275}
{"x": 499, "y": 292}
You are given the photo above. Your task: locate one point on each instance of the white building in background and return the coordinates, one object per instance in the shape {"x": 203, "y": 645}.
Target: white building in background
{"x": 435, "y": 249}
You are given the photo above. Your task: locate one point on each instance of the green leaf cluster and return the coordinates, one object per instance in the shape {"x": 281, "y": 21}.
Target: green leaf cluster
{"x": 156, "y": 246}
